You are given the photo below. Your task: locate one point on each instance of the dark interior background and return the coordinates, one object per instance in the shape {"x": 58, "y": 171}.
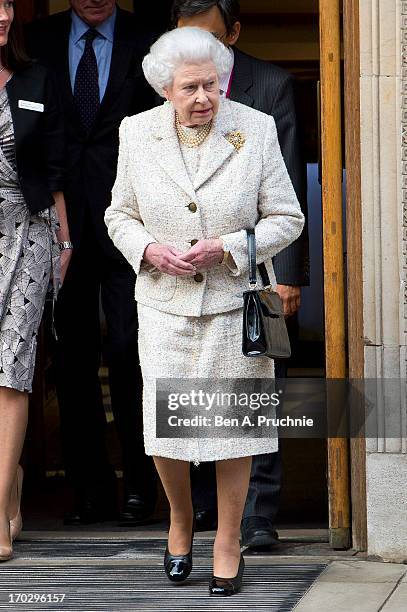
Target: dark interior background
{"x": 284, "y": 32}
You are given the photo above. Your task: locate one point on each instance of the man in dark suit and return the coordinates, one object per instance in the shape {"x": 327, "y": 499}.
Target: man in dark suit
{"x": 269, "y": 89}
{"x": 95, "y": 52}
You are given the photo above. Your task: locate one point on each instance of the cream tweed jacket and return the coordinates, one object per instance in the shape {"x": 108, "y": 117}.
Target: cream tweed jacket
{"x": 154, "y": 200}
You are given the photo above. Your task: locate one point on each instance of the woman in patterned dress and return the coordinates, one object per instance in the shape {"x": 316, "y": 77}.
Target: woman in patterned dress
{"x": 32, "y": 222}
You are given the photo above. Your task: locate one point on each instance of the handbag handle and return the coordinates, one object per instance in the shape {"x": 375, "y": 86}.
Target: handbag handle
{"x": 251, "y": 251}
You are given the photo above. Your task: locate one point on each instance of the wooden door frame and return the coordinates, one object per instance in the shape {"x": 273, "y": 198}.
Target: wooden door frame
{"x": 334, "y": 274}
{"x": 346, "y": 461}
{"x": 354, "y": 257}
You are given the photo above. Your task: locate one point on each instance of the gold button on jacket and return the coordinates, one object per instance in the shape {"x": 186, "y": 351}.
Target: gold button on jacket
{"x": 192, "y": 207}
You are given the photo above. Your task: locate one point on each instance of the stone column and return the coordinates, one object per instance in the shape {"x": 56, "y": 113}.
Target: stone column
{"x": 383, "y": 83}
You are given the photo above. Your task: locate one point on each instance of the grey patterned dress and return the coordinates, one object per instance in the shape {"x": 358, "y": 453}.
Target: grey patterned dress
{"x": 28, "y": 254}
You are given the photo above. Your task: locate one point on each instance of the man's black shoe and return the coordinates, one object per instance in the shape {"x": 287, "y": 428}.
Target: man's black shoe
{"x": 206, "y": 520}
{"x": 88, "y": 511}
{"x": 258, "y": 533}
{"x": 136, "y": 511}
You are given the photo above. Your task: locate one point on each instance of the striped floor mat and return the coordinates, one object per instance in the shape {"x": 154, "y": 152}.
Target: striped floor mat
{"x": 93, "y": 587}
{"x": 102, "y": 548}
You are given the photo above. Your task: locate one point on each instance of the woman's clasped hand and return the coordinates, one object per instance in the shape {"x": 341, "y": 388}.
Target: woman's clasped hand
{"x": 205, "y": 254}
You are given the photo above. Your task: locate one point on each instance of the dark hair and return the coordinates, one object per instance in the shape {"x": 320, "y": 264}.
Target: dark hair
{"x": 229, "y": 9}
{"x": 13, "y": 55}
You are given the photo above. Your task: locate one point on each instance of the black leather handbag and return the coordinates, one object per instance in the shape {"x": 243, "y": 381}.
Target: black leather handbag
{"x": 264, "y": 328}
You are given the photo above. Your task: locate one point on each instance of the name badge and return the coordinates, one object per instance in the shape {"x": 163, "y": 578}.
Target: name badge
{"x": 33, "y": 106}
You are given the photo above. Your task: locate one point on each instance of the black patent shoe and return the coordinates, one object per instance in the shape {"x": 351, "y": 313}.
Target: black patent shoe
{"x": 178, "y": 567}
{"x": 223, "y": 587}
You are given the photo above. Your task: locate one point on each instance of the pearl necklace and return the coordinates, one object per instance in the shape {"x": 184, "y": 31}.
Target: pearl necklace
{"x": 202, "y": 132}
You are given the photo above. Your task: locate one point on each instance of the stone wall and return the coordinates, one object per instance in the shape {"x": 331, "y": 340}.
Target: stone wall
{"x": 383, "y": 32}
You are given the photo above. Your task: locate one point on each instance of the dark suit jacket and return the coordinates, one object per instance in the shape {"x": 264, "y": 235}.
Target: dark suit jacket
{"x": 92, "y": 159}
{"x": 39, "y": 136}
{"x": 270, "y": 89}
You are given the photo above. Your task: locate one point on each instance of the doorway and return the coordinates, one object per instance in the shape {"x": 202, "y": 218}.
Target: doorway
{"x": 287, "y": 34}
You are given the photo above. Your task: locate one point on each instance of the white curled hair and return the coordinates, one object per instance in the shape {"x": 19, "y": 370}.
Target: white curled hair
{"x": 183, "y": 46}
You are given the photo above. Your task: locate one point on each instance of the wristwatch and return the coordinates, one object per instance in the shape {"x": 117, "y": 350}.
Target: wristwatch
{"x": 66, "y": 244}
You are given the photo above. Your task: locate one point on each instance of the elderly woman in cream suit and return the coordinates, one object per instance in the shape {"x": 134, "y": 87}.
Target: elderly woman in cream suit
{"x": 192, "y": 175}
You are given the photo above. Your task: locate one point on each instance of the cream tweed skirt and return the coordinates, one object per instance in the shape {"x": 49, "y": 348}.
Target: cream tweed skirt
{"x": 172, "y": 346}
